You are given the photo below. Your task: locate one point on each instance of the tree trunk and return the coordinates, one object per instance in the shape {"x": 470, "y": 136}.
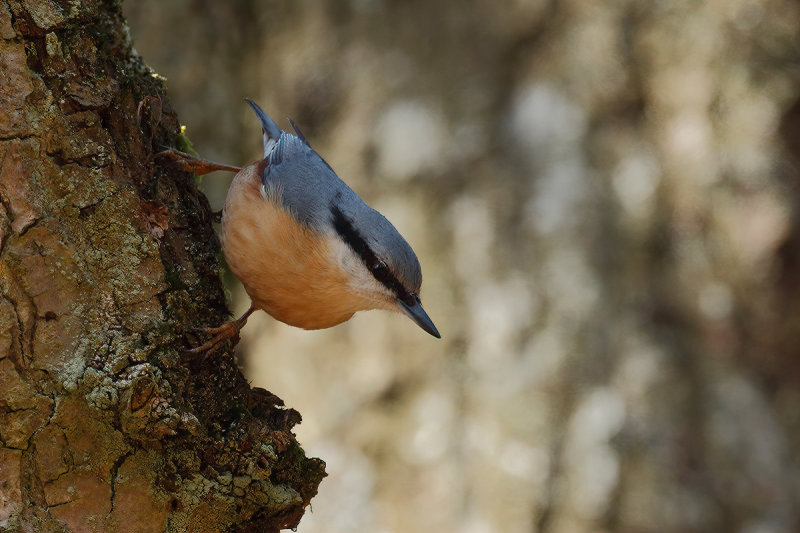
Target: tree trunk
{"x": 107, "y": 260}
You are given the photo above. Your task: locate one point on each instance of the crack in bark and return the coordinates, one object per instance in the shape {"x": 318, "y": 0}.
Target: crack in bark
{"x": 114, "y": 472}
{"x": 26, "y": 334}
{"x": 84, "y": 210}
{"x": 6, "y": 206}
{"x": 18, "y": 339}
{"x": 83, "y": 162}
{"x": 31, "y": 484}
{"x": 50, "y": 418}
{"x": 43, "y": 385}
{"x": 54, "y": 505}
{"x": 32, "y": 224}
{"x": 10, "y": 410}
{"x": 18, "y": 137}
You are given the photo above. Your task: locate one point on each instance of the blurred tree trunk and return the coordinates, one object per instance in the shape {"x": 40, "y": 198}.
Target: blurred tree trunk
{"x": 107, "y": 259}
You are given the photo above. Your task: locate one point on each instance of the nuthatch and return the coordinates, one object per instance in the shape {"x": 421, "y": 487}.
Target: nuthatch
{"x": 308, "y": 250}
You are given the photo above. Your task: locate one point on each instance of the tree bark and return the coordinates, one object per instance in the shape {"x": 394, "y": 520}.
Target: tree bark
{"x": 108, "y": 260}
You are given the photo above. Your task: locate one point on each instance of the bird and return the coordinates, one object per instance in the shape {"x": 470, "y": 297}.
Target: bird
{"x": 307, "y": 248}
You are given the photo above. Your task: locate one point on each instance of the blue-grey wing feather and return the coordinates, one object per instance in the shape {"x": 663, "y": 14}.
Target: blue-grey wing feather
{"x": 310, "y": 188}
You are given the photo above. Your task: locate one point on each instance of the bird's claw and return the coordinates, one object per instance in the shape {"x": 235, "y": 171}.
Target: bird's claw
{"x": 193, "y": 164}
{"x": 206, "y": 348}
{"x": 215, "y": 330}
{"x": 228, "y": 330}
{"x": 222, "y": 333}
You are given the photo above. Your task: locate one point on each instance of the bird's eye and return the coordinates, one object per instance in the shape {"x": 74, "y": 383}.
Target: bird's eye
{"x": 378, "y": 266}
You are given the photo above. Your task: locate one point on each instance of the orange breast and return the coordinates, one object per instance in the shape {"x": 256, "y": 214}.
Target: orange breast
{"x": 287, "y": 268}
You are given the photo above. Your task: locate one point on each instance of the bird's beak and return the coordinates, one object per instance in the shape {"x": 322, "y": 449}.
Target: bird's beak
{"x": 417, "y": 314}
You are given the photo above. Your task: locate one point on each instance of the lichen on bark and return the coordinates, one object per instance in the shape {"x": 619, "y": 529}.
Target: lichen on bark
{"x": 107, "y": 261}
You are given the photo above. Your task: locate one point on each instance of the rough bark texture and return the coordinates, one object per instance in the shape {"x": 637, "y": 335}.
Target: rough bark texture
{"x": 107, "y": 260}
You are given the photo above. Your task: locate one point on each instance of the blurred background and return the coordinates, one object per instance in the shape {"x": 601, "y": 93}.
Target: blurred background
{"x": 604, "y": 200}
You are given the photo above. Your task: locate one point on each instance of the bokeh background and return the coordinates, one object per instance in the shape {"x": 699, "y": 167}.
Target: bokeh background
{"x": 604, "y": 199}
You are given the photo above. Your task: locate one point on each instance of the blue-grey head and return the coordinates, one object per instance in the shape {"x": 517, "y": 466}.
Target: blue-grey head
{"x": 381, "y": 265}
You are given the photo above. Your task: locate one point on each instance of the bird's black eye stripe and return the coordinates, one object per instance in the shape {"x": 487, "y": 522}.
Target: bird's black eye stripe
{"x": 377, "y": 267}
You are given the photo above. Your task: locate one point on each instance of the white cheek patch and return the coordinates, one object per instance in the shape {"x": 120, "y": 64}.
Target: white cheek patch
{"x": 361, "y": 281}
{"x": 269, "y": 144}
{"x": 344, "y": 256}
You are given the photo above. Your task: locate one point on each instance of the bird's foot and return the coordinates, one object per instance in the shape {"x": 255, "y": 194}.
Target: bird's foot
{"x": 194, "y": 164}
{"x": 221, "y": 334}
{"x": 226, "y": 331}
